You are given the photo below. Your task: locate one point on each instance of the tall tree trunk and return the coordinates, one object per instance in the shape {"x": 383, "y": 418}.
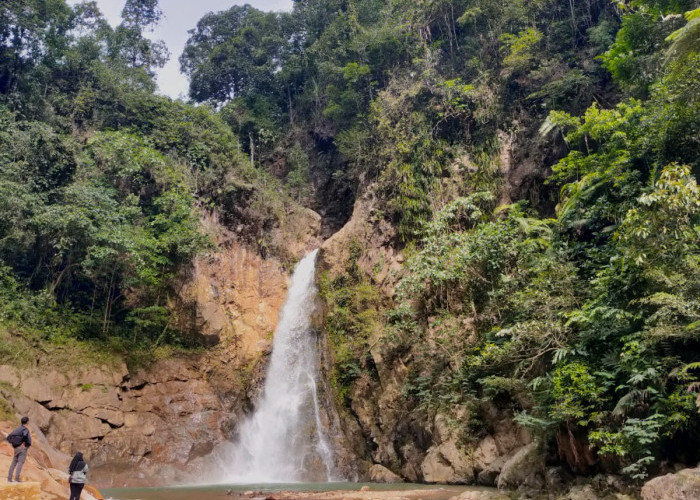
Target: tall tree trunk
{"x": 252, "y": 149}
{"x": 108, "y": 305}
{"x": 573, "y": 23}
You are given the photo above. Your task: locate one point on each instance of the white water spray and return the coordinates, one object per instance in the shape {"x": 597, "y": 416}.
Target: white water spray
{"x": 284, "y": 440}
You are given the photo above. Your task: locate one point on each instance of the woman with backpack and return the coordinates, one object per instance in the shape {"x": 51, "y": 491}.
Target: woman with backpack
{"x": 78, "y": 475}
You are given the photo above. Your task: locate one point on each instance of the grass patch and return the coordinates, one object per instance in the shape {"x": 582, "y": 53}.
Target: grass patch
{"x": 23, "y": 347}
{"x": 147, "y": 355}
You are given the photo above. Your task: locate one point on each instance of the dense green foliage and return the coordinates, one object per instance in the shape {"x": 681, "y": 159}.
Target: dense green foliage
{"x": 353, "y": 322}
{"x": 576, "y": 306}
{"x": 377, "y": 90}
{"x": 594, "y": 313}
{"x": 536, "y": 159}
{"x": 102, "y": 182}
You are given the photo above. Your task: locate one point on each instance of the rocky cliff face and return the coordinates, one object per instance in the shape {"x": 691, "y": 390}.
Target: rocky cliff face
{"x": 138, "y": 427}
{"x": 380, "y": 424}
{"x": 234, "y": 294}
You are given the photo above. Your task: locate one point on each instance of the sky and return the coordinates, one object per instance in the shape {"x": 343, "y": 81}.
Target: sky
{"x": 179, "y": 16}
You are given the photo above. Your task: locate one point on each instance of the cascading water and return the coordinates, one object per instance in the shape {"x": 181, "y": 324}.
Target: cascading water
{"x": 284, "y": 440}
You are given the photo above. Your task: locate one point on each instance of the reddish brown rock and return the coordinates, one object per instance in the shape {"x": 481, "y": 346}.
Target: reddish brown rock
{"x": 44, "y": 466}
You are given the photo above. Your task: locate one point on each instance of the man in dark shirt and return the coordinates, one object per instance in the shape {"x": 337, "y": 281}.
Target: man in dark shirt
{"x": 20, "y": 450}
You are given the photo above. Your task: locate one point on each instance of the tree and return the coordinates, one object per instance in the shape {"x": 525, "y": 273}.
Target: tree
{"x": 233, "y": 54}
{"x": 128, "y": 42}
{"x": 31, "y": 33}
{"x": 141, "y": 14}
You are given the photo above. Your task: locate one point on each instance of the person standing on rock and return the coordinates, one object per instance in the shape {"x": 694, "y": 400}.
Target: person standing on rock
{"x": 78, "y": 470}
{"x": 21, "y": 440}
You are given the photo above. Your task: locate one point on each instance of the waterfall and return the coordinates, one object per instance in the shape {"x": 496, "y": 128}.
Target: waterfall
{"x": 284, "y": 439}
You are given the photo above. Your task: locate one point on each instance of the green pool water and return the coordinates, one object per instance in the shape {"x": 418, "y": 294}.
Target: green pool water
{"x": 219, "y": 491}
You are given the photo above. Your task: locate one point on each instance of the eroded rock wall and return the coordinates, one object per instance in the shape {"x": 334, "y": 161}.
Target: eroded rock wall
{"x": 234, "y": 293}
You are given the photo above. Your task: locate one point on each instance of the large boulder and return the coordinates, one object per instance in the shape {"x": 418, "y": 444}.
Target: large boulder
{"x": 38, "y": 414}
{"x": 44, "y": 388}
{"x": 446, "y": 463}
{"x": 683, "y": 485}
{"x": 487, "y": 462}
{"x": 525, "y": 469}
{"x": 585, "y": 492}
{"x": 380, "y": 474}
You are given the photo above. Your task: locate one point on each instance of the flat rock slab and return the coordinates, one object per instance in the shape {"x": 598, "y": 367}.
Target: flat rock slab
{"x": 20, "y": 491}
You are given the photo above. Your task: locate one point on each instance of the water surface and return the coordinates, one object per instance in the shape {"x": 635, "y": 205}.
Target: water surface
{"x": 219, "y": 492}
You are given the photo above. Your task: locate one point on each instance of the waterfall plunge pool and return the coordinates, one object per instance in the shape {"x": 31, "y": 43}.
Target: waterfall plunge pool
{"x": 286, "y": 491}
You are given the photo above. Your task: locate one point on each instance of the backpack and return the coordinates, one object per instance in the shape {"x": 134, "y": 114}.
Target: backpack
{"x": 16, "y": 437}
{"x": 79, "y": 476}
